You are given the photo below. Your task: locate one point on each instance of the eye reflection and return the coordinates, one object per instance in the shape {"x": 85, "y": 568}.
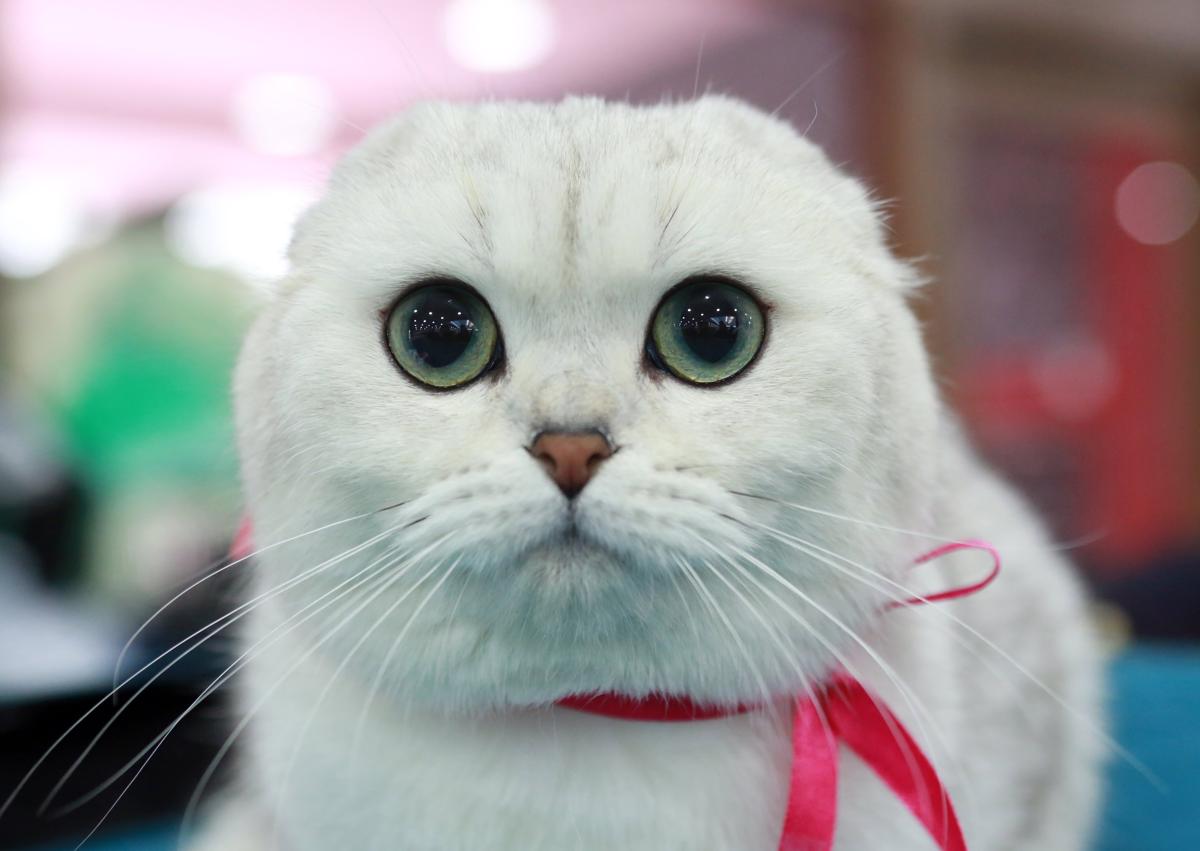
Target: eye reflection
{"x": 710, "y": 333}
{"x": 439, "y": 340}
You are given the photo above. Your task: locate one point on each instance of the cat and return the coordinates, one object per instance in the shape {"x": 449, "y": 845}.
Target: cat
{"x": 541, "y": 462}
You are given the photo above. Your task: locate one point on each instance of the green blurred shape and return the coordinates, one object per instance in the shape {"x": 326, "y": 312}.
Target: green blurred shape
{"x": 152, "y": 396}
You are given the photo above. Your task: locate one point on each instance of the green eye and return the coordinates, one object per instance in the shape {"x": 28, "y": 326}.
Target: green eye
{"x": 443, "y": 335}
{"x": 706, "y": 332}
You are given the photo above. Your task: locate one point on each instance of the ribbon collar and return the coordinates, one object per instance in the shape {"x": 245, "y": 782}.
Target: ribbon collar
{"x": 842, "y": 710}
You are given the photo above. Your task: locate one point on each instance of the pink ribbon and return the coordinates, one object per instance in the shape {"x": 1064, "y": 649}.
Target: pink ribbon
{"x": 842, "y": 711}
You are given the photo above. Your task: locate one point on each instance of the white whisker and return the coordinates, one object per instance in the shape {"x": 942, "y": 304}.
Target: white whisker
{"x": 366, "y": 710}
{"x": 355, "y": 581}
{"x": 391, "y": 572}
{"x": 210, "y": 574}
{"x": 229, "y": 618}
{"x": 283, "y": 786}
{"x": 919, "y": 710}
{"x": 786, "y": 654}
{"x": 690, "y": 573}
{"x": 821, "y": 69}
{"x": 833, "y": 514}
{"x": 942, "y": 612}
{"x": 383, "y": 667}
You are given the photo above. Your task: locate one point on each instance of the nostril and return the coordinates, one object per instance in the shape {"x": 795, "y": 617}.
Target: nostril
{"x": 543, "y": 457}
{"x": 570, "y": 459}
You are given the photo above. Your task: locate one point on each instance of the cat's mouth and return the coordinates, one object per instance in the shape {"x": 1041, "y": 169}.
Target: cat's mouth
{"x": 570, "y": 542}
{"x": 572, "y": 536}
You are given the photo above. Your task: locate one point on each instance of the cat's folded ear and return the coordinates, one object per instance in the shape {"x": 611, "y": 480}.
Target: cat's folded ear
{"x": 844, "y": 199}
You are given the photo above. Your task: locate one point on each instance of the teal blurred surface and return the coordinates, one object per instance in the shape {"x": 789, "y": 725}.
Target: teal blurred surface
{"x": 1156, "y": 709}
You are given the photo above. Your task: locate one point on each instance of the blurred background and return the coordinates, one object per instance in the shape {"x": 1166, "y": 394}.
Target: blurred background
{"x": 1042, "y": 160}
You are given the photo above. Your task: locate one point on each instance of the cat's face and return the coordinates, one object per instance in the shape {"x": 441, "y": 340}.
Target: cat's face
{"x": 667, "y": 571}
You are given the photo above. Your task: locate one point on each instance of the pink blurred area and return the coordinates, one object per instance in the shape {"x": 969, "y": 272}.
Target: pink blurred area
{"x": 132, "y": 99}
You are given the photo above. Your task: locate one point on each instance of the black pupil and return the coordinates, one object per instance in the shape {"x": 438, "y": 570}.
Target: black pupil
{"x": 440, "y": 328}
{"x": 710, "y": 322}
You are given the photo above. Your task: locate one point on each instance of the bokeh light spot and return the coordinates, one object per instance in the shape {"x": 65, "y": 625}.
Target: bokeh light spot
{"x": 244, "y": 229}
{"x": 284, "y": 114}
{"x": 496, "y": 36}
{"x": 1158, "y": 202}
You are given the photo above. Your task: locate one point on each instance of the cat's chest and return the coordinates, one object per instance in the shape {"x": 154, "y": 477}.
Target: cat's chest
{"x": 337, "y": 776}
{"x": 549, "y": 779}
{"x": 553, "y": 779}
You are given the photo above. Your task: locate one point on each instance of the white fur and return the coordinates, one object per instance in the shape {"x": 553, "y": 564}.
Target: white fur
{"x": 418, "y": 720}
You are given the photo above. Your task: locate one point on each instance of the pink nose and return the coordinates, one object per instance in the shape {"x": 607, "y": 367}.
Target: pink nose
{"x": 570, "y": 458}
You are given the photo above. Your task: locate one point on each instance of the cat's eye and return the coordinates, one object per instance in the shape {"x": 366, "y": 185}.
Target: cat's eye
{"x": 443, "y": 335}
{"x": 706, "y": 332}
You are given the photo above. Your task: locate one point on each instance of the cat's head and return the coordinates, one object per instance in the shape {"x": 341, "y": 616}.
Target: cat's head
{"x": 488, "y": 346}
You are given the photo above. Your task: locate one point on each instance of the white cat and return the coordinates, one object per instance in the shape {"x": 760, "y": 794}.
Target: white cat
{"x": 487, "y": 353}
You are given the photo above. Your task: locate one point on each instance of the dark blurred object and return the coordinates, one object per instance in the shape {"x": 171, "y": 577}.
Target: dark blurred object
{"x": 160, "y": 792}
{"x": 1162, "y": 600}
{"x": 32, "y": 718}
{"x": 42, "y": 505}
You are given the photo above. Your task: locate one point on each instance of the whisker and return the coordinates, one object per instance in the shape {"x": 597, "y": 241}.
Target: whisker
{"x": 942, "y": 612}
{"x": 360, "y": 586}
{"x": 397, "y": 568}
{"x": 687, "y": 608}
{"x": 210, "y": 574}
{"x": 919, "y": 710}
{"x": 197, "y": 794}
{"x": 910, "y": 697}
{"x": 833, "y": 514}
{"x": 356, "y": 580}
{"x": 813, "y": 121}
{"x": 958, "y": 639}
{"x": 699, "y": 58}
{"x": 786, "y": 654}
{"x": 706, "y": 594}
{"x": 346, "y": 661}
{"x": 245, "y": 607}
{"x": 822, "y": 640}
{"x": 285, "y": 783}
{"x": 808, "y": 81}
{"x": 1070, "y": 544}
{"x": 366, "y": 710}
{"x": 153, "y": 747}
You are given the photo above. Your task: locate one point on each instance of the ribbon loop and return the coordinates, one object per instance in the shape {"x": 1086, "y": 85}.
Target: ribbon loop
{"x": 961, "y": 590}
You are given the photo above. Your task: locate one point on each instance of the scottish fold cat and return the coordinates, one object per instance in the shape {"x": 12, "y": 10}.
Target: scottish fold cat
{"x": 594, "y": 398}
